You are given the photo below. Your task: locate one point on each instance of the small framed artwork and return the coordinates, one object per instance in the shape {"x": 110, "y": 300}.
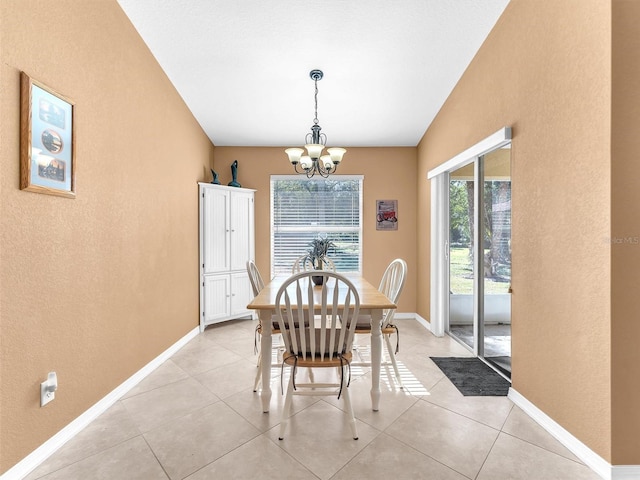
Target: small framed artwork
{"x": 47, "y": 140}
{"x": 386, "y": 215}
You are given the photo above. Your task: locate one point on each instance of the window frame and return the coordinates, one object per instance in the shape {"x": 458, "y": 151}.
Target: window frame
{"x": 274, "y": 178}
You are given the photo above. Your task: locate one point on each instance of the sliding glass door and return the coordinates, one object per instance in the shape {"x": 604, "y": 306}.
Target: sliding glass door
{"x": 462, "y": 273}
{"x": 496, "y": 237}
{"x": 479, "y": 256}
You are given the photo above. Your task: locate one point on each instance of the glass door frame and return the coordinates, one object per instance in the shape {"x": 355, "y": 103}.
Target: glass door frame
{"x": 439, "y": 176}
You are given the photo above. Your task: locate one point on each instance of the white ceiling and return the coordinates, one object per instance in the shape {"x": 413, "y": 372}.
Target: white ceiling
{"x": 242, "y": 66}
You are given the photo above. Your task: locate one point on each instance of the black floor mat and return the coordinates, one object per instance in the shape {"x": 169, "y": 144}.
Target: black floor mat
{"x": 472, "y": 376}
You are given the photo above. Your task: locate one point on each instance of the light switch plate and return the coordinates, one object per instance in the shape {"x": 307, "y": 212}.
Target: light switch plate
{"x": 45, "y": 396}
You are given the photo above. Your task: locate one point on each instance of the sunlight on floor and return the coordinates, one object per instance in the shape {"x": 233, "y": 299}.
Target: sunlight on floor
{"x": 411, "y": 384}
{"x": 361, "y": 367}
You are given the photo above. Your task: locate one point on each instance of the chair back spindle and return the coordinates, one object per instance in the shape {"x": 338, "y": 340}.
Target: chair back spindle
{"x": 329, "y": 311}
{"x": 304, "y": 263}
{"x": 255, "y": 278}
{"x": 391, "y": 285}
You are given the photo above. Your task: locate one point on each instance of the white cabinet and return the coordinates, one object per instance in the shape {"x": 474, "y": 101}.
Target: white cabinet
{"x": 226, "y": 244}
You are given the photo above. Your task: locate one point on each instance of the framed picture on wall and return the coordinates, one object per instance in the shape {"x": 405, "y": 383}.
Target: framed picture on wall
{"x": 386, "y": 215}
{"x": 47, "y": 140}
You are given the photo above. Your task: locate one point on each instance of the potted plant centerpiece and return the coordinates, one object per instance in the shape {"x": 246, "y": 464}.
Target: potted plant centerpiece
{"x": 317, "y": 254}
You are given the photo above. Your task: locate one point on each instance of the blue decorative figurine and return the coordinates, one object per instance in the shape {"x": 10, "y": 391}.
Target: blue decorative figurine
{"x": 234, "y": 174}
{"x": 215, "y": 180}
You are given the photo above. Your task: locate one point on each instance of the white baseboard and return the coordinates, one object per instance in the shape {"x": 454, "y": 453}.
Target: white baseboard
{"x": 413, "y": 316}
{"x": 422, "y": 321}
{"x": 598, "y": 464}
{"x": 625, "y": 472}
{"x": 44, "y": 451}
{"x": 580, "y": 450}
{"x": 594, "y": 461}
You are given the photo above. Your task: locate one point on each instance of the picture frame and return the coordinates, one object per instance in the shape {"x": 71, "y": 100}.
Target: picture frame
{"x": 386, "y": 214}
{"x": 47, "y": 140}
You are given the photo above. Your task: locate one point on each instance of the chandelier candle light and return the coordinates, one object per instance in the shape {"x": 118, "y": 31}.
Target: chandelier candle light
{"x": 314, "y": 162}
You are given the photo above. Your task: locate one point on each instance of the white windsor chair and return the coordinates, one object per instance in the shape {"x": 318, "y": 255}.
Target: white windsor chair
{"x": 303, "y": 263}
{"x": 391, "y": 285}
{"x": 323, "y": 340}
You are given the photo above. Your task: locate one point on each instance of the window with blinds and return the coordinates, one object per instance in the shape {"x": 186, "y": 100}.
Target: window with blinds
{"x": 303, "y": 208}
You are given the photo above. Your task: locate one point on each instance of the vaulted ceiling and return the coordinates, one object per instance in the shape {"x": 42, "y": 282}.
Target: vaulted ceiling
{"x": 242, "y": 66}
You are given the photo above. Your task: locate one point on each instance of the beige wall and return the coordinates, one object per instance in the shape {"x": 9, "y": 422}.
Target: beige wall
{"x": 93, "y": 287}
{"x": 389, "y": 173}
{"x": 96, "y": 287}
{"x": 545, "y": 71}
{"x": 625, "y": 232}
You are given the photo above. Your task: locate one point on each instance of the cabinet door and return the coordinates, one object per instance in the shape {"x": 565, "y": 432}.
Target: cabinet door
{"x": 217, "y": 295}
{"x": 241, "y": 293}
{"x": 242, "y": 234}
{"x": 215, "y": 226}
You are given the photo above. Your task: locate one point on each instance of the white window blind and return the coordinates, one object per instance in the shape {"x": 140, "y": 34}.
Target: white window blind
{"x": 303, "y": 208}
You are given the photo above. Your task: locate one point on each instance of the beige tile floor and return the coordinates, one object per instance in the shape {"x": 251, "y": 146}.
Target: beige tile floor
{"x": 196, "y": 417}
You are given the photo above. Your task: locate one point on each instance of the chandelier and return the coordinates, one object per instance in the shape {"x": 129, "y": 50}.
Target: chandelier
{"x": 314, "y": 162}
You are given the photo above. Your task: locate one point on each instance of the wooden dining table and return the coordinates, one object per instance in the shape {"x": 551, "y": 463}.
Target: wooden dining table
{"x": 372, "y": 303}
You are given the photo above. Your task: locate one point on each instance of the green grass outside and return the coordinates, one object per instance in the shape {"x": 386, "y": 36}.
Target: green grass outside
{"x": 461, "y": 274}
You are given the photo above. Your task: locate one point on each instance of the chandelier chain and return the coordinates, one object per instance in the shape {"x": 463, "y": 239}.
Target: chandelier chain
{"x": 315, "y": 119}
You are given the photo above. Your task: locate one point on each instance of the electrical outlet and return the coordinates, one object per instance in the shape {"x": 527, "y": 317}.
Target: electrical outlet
{"x": 45, "y": 395}
{"x": 48, "y": 389}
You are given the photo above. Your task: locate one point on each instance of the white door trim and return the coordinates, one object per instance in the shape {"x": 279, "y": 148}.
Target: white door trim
{"x": 439, "y": 177}
{"x": 493, "y": 141}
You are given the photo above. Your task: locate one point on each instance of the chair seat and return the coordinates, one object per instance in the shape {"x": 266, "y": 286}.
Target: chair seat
{"x": 290, "y": 359}
{"x": 275, "y": 327}
{"x": 366, "y": 328}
